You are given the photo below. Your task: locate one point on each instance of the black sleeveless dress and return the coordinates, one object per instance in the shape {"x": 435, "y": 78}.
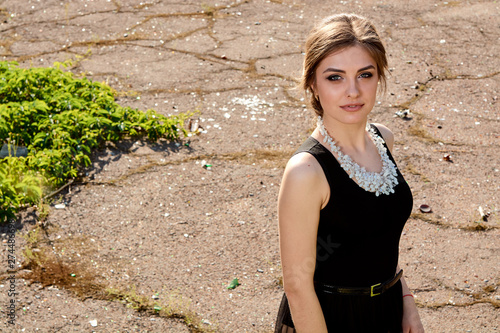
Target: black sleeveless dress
{"x": 357, "y": 246}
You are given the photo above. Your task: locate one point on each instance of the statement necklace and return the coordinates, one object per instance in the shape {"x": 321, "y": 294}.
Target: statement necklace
{"x": 378, "y": 182}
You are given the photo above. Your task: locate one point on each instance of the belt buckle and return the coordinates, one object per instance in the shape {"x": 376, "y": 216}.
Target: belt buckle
{"x": 371, "y": 290}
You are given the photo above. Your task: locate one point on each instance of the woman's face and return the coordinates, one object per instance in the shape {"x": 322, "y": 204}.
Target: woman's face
{"x": 346, "y": 84}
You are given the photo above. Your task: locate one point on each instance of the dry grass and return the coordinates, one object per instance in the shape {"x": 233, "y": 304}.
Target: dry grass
{"x": 410, "y": 168}
{"x": 478, "y": 226}
{"x": 418, "y": 131}
{"x": 436, "y": 305}
{"x": 260, "y": 157}
{"x": 428, "y": 218}
{"x": 42, "y": 264}
{"x": 171, "y": 305}
{"x": 483, "y": 296}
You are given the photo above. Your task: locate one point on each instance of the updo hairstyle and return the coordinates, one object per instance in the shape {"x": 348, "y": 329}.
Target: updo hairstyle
{"x": 336, "y": 33}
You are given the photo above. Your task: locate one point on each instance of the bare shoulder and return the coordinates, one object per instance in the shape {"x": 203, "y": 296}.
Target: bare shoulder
{"x": 302, "y": 178}
{"x": 386, "y": 134}
{"x": 303, "y": 162}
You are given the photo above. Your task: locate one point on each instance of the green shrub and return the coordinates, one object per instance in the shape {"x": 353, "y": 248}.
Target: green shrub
{"x": 18, "y": 186}
{"x": 60, "y": 119}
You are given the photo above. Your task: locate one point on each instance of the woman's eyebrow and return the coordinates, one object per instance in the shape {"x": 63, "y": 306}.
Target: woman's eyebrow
{"x": 331, "y": 69}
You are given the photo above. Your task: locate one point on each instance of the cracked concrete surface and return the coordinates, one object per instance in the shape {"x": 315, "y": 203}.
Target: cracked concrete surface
{"x": 237, "y": 62}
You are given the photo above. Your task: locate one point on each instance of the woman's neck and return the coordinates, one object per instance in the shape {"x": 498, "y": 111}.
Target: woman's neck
{"x": 349, "y": 137}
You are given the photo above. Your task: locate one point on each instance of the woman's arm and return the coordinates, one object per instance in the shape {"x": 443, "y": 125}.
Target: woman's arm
{"x": 302, "y": 194}
{"x": 411, "y": 319}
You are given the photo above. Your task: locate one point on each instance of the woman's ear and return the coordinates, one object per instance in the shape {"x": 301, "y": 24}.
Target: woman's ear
{"x": 313, "y": 90}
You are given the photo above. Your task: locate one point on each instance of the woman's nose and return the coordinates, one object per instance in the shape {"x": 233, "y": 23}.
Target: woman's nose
{"x": 352, "y": 89}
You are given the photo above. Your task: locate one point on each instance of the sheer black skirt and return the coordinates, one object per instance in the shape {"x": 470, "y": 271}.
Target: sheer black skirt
{"x": 352, "y": 314}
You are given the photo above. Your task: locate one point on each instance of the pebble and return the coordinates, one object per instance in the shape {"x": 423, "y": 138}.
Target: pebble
{"x": 425, "y": 208}
{"x": 405, "y": 114}
{"x": 93, "y": 323}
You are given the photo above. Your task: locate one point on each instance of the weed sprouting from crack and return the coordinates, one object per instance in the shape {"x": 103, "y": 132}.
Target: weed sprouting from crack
{"x": 167, "y": 306}
{"x": 276, "y": 270}
{"x": 422, "y": 87}
{"x": 43, "y": 265}
{"x": 118, "y": 5}
{"x": 437, "y": 305}
{"x": 4, "y": 14}
{"x": 479, "y": 226}
{"x": 263, "y": 157}
{"x": 428, "y": 219}
{"x": 251, "y": 70}
{"x": 482, "y": 296}
{"x": 410, "y": 168}
{"x": 474, "y": 226}
{"x": 447, "y": 75}
{"x": 417, "y": 129}
{"x": 197, "y": 91}
{"x": 7, "y": 43}
{"x": 208, "y": 10}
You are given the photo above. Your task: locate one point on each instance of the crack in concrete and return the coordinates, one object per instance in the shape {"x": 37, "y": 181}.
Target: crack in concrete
{"x": 418, "y": 130}
{"x": 483, "y": 296}
{"x": 474, "y": 226}
{"x": 264, "y": 157}
{"x": 213, "y": 15}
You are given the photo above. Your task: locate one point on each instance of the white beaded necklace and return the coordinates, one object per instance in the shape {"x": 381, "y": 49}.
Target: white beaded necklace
{"x": 379, "y": 182}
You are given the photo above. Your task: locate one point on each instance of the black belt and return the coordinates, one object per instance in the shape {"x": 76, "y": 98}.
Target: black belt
{"x": 374, "y": 290}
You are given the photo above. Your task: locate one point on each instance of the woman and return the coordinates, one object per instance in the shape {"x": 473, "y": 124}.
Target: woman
{"x": 343, "y": 203}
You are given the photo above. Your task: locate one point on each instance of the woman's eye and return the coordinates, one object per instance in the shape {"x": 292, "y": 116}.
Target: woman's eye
{"x": 333, "y": 78}
{"x": 366, "y": 75}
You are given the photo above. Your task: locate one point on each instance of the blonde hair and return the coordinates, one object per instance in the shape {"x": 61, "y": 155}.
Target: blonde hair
{"x": 333, "y": 34}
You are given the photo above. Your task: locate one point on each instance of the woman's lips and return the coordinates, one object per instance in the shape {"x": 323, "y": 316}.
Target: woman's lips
{"x": 352, "y": 107}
